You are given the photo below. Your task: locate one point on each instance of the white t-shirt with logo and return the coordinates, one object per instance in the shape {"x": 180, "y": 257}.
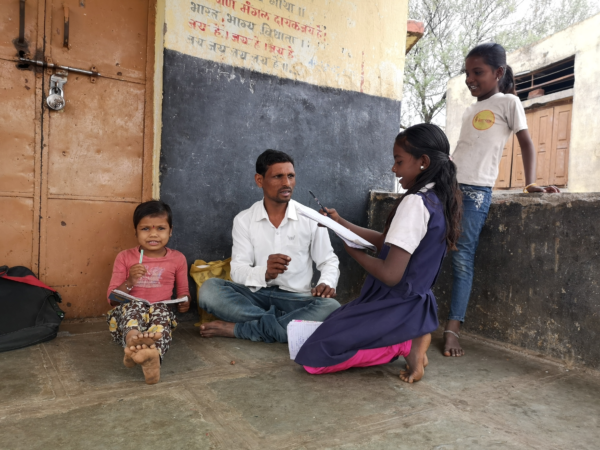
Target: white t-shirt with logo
{"x": 486, "y": 127}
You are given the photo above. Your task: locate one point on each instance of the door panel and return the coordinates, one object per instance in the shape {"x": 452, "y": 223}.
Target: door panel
{"x": 83, "y": 239}
{"x": 543, "y": 144}
{"x": 95, "y": 149}
{"x": 559, "y": 165}
{"x": 109, "y": 34}
{"x": 70, "y": 180}
{"x": 518, "y": 171}
{"x": 504, "y": 170}
{"x": 9, "y": 27}
{"x": 17, "y": 227}
{"x": 17, "y": 130}
{"x": 96, "y": 142}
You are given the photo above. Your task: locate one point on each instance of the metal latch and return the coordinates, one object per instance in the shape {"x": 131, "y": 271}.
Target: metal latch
{"x": 56, "y": 98}
{"x": 92, "y": 73}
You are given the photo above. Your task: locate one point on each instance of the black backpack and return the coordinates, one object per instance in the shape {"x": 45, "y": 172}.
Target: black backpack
{"x": 29, "y": 313}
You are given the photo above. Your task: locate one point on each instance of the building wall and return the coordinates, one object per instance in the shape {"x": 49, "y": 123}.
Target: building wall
{"x": 582, "y": 41}
{"x": 536, "y": 274}
{"x": 319, "y": 80}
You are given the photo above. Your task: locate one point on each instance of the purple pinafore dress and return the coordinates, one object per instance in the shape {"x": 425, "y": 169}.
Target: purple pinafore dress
{"x": 384, "y": 316}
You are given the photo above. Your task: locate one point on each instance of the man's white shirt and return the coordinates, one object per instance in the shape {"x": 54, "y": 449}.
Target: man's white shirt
{"x": 255, "y": 238}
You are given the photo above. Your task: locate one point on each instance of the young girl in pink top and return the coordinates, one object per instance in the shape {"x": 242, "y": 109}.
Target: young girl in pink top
{"x": 145, "y": 330}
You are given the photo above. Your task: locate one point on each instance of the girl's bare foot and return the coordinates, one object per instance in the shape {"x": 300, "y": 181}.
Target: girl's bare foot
{"x": 217, "y": 328}
{"x": 416, "y": 360}
{"x": 451, "y": 334}
{"x": 128, "y": 358}
{"x": 136, "y": 337}
{"x": 425, "y": 362}
{"x": 149, "y": 359}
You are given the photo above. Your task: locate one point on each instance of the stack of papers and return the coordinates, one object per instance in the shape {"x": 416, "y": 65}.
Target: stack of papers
{"x": 298, "y": 332}
{"x": 350, "y": 238}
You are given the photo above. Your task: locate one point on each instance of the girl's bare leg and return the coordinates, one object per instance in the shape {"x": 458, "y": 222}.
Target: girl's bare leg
{"x": 416, "y": 359}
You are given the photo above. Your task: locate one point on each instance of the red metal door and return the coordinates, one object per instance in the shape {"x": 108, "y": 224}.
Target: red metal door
{"x": 76, "y": 175}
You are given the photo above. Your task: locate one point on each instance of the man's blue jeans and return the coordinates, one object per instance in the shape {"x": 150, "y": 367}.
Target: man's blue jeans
{"x": 262, "y": 315}
{"x": 476, "y": 205}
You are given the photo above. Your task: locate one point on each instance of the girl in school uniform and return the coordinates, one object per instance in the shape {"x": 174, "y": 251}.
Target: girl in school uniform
{"x": 486, "y": 126}
{"x": 149, "y": 271}
{"x": 397, "y": 311}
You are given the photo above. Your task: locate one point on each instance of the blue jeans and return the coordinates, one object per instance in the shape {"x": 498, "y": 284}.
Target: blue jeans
{"x": 262, "y": 315}
{"x": 476, "y": 205}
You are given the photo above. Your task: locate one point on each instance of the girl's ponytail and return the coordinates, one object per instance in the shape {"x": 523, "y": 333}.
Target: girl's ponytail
{"x": 507, "y": 82}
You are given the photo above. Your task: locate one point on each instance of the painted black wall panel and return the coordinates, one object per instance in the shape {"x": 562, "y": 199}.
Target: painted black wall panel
{"x": 217, "y": 119}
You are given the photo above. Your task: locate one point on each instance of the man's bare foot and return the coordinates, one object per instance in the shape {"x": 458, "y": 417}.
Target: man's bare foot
{"x": 128, "y": 358}
{"x": 217, "y": 328}
{"x": 416, "y": 360}
{"x": 149, "y": 359}
{"x": 451, "y": 345}
{"x": 136, "y": 337}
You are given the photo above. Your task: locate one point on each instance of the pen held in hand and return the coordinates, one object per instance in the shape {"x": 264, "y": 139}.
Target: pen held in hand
{"x": 319, "y": 203}
{"x": 141, "y": 255}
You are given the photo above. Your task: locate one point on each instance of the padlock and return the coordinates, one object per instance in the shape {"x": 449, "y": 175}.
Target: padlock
{"x": 56, "y": 98}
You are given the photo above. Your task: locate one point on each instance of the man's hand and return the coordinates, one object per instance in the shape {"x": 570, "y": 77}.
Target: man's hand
{"x": 322, "y": 290}
{"x": 183, "y": 307}
{"x": 136, "y": 272}
{"x": 276, "y": 264}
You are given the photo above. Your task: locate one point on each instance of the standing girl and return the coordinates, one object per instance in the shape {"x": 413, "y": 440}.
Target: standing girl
{"x": 486, "y": 126}
{"x": 149, "y": 271}
{"x": 396, "y": 304}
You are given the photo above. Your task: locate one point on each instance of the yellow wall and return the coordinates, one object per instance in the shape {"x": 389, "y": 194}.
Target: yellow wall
{"x": 354, "y": 45}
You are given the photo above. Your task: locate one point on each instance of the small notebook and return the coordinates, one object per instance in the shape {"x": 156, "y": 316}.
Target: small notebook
{"x": 122, "y": 297}
{"x": 298, "y": 332}
{"x": 349, "y": 237}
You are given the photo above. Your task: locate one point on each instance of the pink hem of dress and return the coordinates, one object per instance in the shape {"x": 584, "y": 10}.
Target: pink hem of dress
{"x": 366, "y": 358}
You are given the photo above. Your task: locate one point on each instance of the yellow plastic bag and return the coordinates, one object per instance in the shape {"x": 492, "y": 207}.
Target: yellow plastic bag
{"x": 202, "y": 271}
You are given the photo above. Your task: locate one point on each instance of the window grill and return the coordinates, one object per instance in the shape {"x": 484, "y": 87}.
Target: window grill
{"x": 553, "y": 78}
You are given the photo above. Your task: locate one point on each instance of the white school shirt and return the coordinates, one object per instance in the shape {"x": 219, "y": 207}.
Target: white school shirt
{"x": 255, "y": 238}
{"x": 486, "y": 126}
{"x": 409, "y": 225}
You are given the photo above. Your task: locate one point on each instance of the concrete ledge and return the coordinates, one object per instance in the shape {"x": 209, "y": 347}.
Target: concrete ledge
{"x": 536, "y": 273}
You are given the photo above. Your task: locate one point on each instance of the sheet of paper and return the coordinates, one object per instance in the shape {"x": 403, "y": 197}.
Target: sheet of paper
{"x": 351, "y": 238}
{"x": 298, "y": 332}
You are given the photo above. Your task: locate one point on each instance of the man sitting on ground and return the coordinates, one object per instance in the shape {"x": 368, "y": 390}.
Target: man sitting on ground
{"x": 271, "y": 264}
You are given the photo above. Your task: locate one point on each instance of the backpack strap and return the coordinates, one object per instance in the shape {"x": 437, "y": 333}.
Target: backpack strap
{"x": 28, "y": 279}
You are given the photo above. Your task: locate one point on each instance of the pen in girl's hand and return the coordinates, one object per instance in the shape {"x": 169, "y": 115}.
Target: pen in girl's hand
{"x": 319, "y": 203}
{"x": 141, "y": 255}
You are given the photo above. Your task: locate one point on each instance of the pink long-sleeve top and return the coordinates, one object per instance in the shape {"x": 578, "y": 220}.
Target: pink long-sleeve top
{"x": 161, "y": 275}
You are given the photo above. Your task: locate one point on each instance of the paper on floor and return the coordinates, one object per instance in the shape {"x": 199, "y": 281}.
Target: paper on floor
{"x": 298, "y": 332}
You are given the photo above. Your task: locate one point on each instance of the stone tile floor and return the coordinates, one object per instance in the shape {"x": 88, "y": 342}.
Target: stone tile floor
{"x": 74, "y": 393}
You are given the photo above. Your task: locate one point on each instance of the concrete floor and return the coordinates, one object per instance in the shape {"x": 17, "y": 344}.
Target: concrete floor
{"x": 74, "y": 393}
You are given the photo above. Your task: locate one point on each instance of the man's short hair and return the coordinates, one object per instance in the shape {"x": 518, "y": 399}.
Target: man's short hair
{"x": 270, "y": 157}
